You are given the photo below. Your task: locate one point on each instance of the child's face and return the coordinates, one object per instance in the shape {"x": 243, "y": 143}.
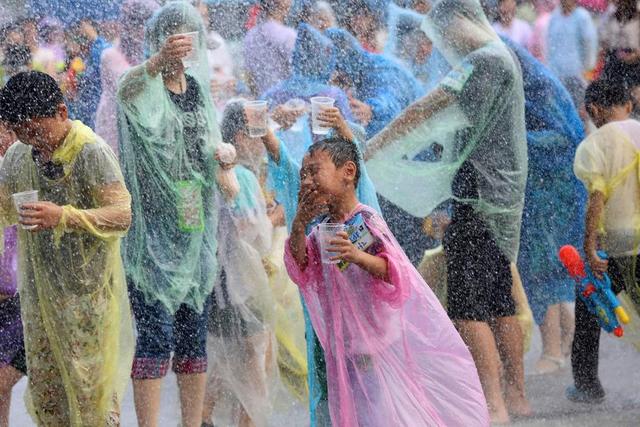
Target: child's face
{"x": 322, "y": 175}
{"x": 44, "y": 131}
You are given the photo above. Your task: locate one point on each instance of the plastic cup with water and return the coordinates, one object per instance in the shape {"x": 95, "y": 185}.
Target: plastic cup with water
{"x": 326, "y": 233}
{"x": 257, "y": 118}
{"x": 20, "y": 199}
{"x": 192, "y": 57}
{"x": 318, "y": 103}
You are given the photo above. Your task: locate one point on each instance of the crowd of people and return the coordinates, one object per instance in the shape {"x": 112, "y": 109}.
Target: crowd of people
{"x": 151, "y": 221}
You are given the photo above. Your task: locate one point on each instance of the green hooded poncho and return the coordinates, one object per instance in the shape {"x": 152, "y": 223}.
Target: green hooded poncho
{"x": 167, "y": 157}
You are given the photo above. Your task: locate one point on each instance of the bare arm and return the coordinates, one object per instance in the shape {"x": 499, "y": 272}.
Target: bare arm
{"x": 309, "y": 207}
{"x": 409, "y": 119}
{"x": 272, "y": 145}
{"x": 347, "y": 251}
{"x": 595, "y": 209}
{"x": 374, "y": 265}
{"x": 298, "y": 242}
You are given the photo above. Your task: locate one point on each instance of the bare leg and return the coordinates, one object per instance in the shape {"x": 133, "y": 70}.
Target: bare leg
{"x": 508, "y": 335}
{"x": 210, "y": 398}
{"x": 9, "y": 376}
{"x": 552, "y": 358}
{"x": 567, "y": 327}
{"x": 192, "y": 389}
{"x": 146, "y": 395}
{"x": 480, "y": 340}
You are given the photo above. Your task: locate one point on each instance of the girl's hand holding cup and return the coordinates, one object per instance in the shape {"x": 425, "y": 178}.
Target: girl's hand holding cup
{"x": 332, "y": 117}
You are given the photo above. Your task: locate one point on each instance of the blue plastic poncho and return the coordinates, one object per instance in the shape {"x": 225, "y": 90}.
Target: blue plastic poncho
{"x": 385, "y": 85}
{"x": 167, "y": 157}
{"x": 311, "y": 68}
{"x": 89, "y": 84}
{"x": 554, "y": 199}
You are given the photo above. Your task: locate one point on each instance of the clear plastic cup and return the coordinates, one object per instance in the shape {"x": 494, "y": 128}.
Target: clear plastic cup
{"x": 297, "y": 104}
{"x": 318, "y": 103}
{"x": 326, "y": 232}
{"x": 257, "y": 123}
{"x": 192, "y": 57}
{"x": 22, "y": 198}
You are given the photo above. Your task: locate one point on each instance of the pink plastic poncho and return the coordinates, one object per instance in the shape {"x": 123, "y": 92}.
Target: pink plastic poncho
{"x": 393, "y": 356}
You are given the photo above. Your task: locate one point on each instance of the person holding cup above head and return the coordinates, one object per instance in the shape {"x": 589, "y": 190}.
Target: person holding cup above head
{"x": 312, "y": 65}
{"x": 78, "y": 338}
{"x": 168, "y": 145}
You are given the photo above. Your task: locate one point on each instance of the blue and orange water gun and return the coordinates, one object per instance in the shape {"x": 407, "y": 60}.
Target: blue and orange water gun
{"x": 595, "y": 293}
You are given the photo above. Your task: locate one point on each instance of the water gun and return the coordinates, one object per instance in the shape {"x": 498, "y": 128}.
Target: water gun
{"x": 595, "y": 293}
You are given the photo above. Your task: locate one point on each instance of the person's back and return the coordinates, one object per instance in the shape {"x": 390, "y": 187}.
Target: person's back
{"x": 571, "y": 43}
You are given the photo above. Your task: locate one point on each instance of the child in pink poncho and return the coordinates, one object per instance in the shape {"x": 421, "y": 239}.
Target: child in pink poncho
{"x": 393, "y": 356}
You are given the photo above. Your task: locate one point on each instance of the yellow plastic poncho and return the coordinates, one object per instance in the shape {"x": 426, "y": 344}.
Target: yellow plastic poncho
{"x": 608, "y": 161}
{"x": 75, "y": 309}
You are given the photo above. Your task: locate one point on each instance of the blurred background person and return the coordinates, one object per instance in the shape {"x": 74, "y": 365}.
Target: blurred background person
{"x": 116, "y": 60}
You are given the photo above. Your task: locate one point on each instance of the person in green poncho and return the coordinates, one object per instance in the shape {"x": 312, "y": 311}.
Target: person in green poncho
{"x": 169, "y": 136}
{"x": 476, "y": 118}
{"x": 77, "y": 327}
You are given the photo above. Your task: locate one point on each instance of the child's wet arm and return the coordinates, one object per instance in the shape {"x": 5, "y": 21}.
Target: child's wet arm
{"x": 298, "y": 243}
{"x": 377, "y": 266}
{"x": 595, "y": 209}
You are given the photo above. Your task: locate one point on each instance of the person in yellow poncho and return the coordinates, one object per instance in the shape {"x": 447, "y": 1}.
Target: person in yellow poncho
{"x": 77, "y": 328}
{"x": 607, "y": 163}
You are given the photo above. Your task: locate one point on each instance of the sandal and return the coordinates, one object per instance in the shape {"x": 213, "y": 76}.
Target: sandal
{"x": 554, "y": 365}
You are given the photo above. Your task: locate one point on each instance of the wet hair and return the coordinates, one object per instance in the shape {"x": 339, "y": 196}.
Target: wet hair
{"x": 607, "y": 93}
{"x": 29, "y": 95}
{"x": 17, "y": 56}
{"x": 340, "y": 151}
{"x": 233, "y": 121}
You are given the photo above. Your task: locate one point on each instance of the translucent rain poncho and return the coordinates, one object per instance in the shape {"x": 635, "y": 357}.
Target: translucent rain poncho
{"x": 284, "y": 179}
{"x": 77, "y": 326}
{"x": 554, "y": 199}
{"x": 170, "y": 251}
{"x": 475, "y": 116}
{"x": 242, "y": 347}
{"x": 312, "y": 65}
{"x": 393, "y": 356}
{"x": 382, "y": 83}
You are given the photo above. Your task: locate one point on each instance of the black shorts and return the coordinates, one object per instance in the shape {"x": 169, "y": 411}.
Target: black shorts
{"x": 479, "y": 278}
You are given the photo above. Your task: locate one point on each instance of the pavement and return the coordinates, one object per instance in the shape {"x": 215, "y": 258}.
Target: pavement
{"x": 619, "y": 373}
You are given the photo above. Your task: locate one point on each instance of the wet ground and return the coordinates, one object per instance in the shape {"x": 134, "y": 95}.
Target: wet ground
{"x": 619, "y": 372}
